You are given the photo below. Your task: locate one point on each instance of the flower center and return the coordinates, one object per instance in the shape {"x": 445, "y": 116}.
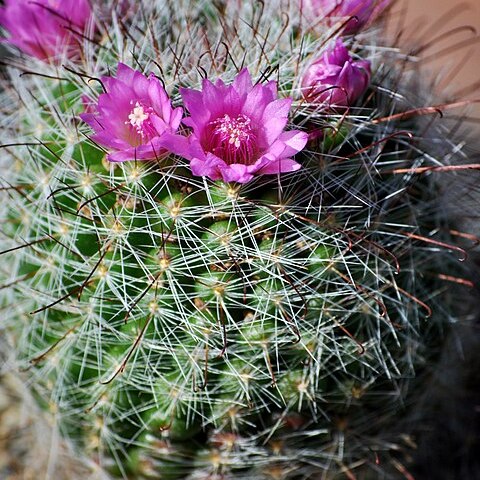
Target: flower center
{"x": 139, "y": 120}
{"x": 233, "y": 139}
{"x": 137, "y": 117}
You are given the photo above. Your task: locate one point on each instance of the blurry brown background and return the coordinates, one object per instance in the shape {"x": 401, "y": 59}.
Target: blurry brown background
{"x": 445, "y": 23}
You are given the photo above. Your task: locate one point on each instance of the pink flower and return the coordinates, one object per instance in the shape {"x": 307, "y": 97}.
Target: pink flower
{"x": 132, "y": 116}
{"x": 335, "y": 78}
{"x": 238, "y": 131}
{"x": 46, "y": 28}
{"x": 361, "y": 12}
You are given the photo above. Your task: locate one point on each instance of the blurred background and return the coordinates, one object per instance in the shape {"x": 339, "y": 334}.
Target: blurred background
{"x": 449, "y": 30}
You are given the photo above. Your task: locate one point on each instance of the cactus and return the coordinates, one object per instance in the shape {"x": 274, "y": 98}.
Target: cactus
{"x": 174, "y": 326}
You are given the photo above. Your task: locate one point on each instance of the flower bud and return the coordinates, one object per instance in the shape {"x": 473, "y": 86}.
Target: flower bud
{"x": 336, "y": 79}
{"x": 46, "y": 29}
{"x": 357, "y": 13}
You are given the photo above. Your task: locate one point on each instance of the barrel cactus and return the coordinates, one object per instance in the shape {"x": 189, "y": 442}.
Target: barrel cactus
{"x": 222, "y": 256}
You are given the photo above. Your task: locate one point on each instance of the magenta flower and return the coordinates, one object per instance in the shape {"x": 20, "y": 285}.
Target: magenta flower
{"x": 361, "y": 12}
{"x": 238, "y": 131}
{"x": 132, "y": 116}
{"x": 46, "y": 29}
{"x": 335, "y": 79}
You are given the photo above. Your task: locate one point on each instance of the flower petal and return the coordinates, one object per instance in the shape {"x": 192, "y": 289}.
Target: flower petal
{"x": 280, "y": 165}
{"x": 151, "y": 151}
{"x": 275, "y": 118}
{"x": 243, "y": 81}
{"x": 159, "y": 99}
{"x": 236, "y": 173}
{"x": 193, "y": 101}
{"x": 256, "y": 101}
{"x": 182, "y": 146}
{"x": 125, "y": 74}
{"x": 294, "y": 141}
{"x": 209, "y": 167}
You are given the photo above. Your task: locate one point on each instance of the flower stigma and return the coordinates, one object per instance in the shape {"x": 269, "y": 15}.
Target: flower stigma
{"x": 139, "y": 120}
{"x": 233, "y": 139}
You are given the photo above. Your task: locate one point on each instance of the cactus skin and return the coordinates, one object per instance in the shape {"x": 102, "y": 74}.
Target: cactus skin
{"x": 176, "y": 327}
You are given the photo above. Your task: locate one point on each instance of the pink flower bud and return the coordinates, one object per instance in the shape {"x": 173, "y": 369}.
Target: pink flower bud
{"x": 46, "y": 29}
{"x": 335, "y": 79}
{"x": 357, "y": 13}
